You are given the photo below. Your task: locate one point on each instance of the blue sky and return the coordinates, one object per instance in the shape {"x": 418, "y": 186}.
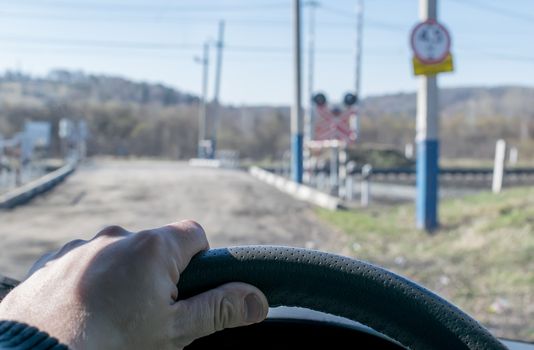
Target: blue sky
{"x": 156, "y": 41}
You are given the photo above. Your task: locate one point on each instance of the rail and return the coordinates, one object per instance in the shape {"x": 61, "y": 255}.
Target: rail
{"x": 447, "y": 171}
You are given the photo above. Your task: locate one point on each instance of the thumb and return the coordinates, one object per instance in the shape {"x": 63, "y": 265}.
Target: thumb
{"x": 230, "y": 305}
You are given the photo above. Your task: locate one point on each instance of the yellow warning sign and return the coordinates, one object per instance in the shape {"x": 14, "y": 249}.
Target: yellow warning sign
{"x": 420, "y": 68}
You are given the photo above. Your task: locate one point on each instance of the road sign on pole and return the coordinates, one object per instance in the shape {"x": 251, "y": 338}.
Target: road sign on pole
{"x": 431, "y": 45}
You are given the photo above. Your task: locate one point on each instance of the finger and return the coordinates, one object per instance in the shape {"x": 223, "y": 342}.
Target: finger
{"x": 230, "y": 305}
{"x": 186, "y": 238}
{"x": 39, "y": 263}
{"x": 112, "y": 231}
{"x": 69, "y": 246}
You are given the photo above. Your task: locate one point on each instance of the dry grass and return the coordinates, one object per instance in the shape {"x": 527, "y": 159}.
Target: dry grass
{"x": 482, "y": 257}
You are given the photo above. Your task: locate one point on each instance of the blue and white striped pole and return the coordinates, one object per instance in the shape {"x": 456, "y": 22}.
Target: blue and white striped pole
{"x": 427, "y": 139}
{"x": 296, "y": 111}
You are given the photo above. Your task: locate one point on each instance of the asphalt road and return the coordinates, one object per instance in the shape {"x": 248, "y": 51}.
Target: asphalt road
{"x": 233, "y": 208}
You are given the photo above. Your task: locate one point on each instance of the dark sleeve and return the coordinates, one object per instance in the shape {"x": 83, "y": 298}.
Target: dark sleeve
{"x": 20, "y": 336}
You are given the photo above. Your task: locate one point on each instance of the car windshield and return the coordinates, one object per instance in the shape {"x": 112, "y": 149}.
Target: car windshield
{"x": 396, "y": 132}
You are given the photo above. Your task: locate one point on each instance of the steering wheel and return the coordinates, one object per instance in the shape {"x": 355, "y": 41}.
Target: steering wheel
{"x": 390, "y": 304}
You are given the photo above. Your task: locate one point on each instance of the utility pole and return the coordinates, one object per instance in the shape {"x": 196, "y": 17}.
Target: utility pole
{"x": 309, "y": 117}
{"x": 202, "y": 115}
{"x": 218, "y": 71}
{"x": 296, "y": 112}
{"x": 427, "y": 136}
{"x": 358, "y": 61}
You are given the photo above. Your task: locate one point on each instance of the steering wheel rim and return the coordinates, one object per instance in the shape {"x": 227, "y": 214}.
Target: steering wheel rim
{"x": 357, "y": 290}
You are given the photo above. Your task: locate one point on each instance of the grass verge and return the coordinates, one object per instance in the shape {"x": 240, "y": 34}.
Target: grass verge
{"x": 481, "y": 258}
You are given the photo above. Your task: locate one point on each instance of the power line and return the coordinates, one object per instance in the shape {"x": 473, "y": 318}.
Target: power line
{"x": 97, "y": 43}
{"x": 165, "y": 19}
{"x": 370, "y": 22}
{"x": 496, "y": 10}
{"x": 186, "y": 55}
{"x": 54, "y": 5}
{"x": 241, "y": 49}
{"x": 10, "y": 15}
{"x": 162, "y": 46}
{"x": 336, "y": 11}
{"x": 515, "y": 58}
{"x": 498, "y": 56}
{"x": 234, "y": 57}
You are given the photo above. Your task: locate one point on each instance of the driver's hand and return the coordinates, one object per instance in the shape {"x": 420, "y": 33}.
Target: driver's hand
{"x": 118, "y": 291}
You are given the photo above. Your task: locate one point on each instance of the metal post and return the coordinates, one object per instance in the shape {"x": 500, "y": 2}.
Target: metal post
{"x": 309, "y": 115}
{"x": 308, "y": 130}
{"x": 218, "y": 71}
{"x": 202, "y": 115}
{"x": 296, "y": 112}
{"x": 427, "y": 139}
{"x": 358, "y": 62}
{"x": 498, "y": 167}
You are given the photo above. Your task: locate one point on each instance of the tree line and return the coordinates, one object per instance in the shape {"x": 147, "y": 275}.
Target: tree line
{"x": 127, "y": 118}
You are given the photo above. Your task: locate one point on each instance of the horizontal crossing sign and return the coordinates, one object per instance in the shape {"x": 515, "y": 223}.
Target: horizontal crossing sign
{"x": 335, "y": 124}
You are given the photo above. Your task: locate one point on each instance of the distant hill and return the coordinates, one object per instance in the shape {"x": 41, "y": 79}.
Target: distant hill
{"x": 63, "y": 85}
{"x": 76, "y": 86}
{"x": 505, "y": 101}
{"x": 128, "y": 117}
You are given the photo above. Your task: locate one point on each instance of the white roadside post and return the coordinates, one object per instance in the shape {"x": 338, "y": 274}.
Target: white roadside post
{"x": 498, "y": 167}
{"x": 349, "y": 185}
{"x": 408, "y": 150}
{"x": 342, "y": 171}
{"x": 367, "y": 170}
{"x": 514, "y": 156}
{"x": 334, "y": 161}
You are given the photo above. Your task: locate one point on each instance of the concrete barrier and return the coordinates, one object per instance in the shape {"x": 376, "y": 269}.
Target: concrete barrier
{"x": 205, "y": 163}
{"x": 26, "y": 192}
{"x": 214, "y": 163}
{"x": 298, "y": 191}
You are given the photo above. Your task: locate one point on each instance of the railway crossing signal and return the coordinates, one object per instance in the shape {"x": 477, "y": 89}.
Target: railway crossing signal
{"x": 335, "y": 123}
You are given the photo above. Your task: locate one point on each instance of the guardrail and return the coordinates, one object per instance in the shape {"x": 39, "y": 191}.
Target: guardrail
{"x": 26, "y": 192}
{"x": 447, "y": 171}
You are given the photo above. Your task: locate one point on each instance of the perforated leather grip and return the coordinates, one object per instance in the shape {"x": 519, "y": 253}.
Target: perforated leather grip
{"x": 362, "y": 292}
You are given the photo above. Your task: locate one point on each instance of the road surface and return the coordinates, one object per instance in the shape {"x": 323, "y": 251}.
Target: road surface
{"x": 233, "y": 208}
